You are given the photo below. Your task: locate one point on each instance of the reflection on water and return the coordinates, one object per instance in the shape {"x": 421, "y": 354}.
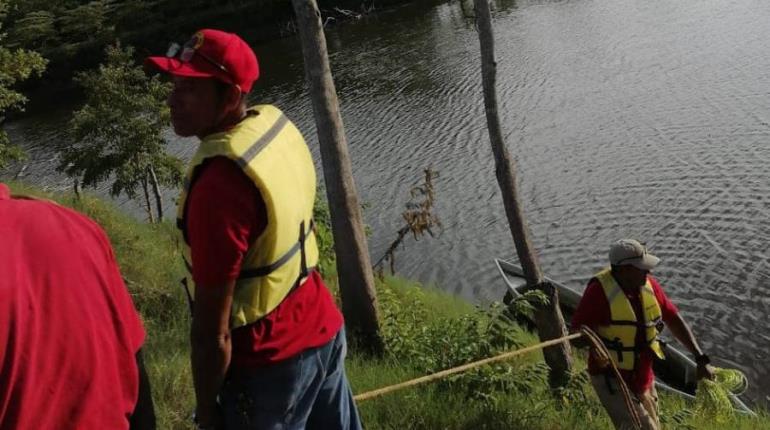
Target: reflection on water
{"x": 642, "y": 119}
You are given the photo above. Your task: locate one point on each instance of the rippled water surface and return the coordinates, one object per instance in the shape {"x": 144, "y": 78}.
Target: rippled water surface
{"x": 646, "y": 119}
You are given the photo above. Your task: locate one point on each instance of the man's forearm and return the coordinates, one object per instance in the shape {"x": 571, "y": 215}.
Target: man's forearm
{"x": 210, "y": 360}
{"x": 211, "y": 346}
{"x": 682, "y": 332}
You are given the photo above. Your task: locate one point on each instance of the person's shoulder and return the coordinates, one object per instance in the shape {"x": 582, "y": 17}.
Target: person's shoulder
{"x": 594, "y": 291}
{"x": 219, "y": 166}
{"x": 593, "y": 284}
{"x": 654, "y": 283}
{"x": 58, "y": 218}
{"x": 83, "y": 220}
{"x": 39, "y": 206}
{"x": 221, "y": 171}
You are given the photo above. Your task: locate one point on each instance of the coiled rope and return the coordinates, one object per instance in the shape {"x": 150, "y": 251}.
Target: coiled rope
{"x": 713, "y": 396}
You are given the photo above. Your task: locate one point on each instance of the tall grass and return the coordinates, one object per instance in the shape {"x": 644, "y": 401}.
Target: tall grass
{"x": 424, "y": 330}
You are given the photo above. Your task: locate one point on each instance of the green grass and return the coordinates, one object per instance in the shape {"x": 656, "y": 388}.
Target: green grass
{"x": 424, "y": 330}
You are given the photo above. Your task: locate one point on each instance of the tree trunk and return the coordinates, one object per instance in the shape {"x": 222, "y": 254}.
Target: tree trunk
{"x": 76, "y": 187}
{"x": 156, "y": 192}
{"x": 147, "y": 204}
{"x": 354, "y": 269}
{"x": 549, "y": 320}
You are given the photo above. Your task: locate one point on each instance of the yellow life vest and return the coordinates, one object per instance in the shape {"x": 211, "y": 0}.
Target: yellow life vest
{"x": 273, "y": 154}
{"x": 620, "y": 335}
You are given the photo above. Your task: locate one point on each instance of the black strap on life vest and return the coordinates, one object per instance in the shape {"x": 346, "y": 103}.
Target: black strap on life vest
{"x": 617, "y": 346}
{"x": 304, "y": 270}
{"x": 299, "y": 246}
{"x": 302, "y": 254}
{"x": 641, "y": 325}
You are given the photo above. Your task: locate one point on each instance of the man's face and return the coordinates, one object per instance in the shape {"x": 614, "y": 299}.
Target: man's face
{"x": 195, "y": 106}
{"x": 634, "y": 276}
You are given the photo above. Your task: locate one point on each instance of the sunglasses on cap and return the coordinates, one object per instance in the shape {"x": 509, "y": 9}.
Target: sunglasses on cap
{"x": 185, "y": 53}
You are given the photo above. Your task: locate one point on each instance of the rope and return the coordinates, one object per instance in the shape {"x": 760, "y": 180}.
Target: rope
{"x": 604, "y": 355}
{"x": 713, "y": 396}
{"x": 590, "y": 335}
{"x": 444, "y": 373}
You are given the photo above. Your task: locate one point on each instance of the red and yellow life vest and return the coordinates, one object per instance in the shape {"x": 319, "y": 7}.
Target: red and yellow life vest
{"x": 273, "y": 154}
{"x": 620, "y": 335}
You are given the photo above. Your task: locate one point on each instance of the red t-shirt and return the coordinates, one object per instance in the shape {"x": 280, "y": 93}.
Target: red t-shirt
{"x": 225, "y": 215}
{"x": 69, "y": 332}
{"x": 594, "y": 310}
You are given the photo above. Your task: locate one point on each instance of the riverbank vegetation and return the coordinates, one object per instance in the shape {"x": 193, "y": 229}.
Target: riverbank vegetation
{"x": 424, "y": 331}
{"x": 73, "y": 34}
{"x": 118, "y": 134}
{"x": 16, "y": 66}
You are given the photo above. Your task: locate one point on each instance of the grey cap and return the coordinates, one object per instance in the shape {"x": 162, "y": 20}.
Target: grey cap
{"x": 630, "y": 251}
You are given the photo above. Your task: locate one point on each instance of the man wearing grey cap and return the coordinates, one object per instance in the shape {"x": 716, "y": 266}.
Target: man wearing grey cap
{"x": 627, "y": 307}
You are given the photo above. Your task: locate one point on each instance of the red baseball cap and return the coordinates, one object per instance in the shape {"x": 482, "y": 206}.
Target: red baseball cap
{"x": 211, "y": 54}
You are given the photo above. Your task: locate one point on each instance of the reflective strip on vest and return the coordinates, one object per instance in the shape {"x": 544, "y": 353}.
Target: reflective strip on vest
{"x": 273, "y": 154}
{"x": 620, "y": 335}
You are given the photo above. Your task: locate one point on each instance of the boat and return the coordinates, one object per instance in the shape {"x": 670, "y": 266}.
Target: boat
{"x": 675, "y": 374}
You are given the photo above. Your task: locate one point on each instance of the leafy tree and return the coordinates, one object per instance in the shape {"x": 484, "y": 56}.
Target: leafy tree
{"x": 16, "y": 66}
{"x": 68, "y": 32}
{"x": 117, "y": 135}
{"x": 73, "y": 33}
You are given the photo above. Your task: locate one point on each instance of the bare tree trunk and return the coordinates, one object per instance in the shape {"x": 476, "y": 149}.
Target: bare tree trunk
{"x": 76, "y": 187}
{"x": 549, "y": 320}
{"x": 156, "y": 192}
{"x": 147, "y": 204}
{"x": 354, "y": 268}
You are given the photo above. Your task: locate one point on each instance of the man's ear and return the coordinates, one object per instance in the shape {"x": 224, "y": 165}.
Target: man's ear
{"x": 233, "y": 97}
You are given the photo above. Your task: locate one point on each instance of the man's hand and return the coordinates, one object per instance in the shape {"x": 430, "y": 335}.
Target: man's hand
{"x": 704, "y": 371}
{"x": 601, "y": 361}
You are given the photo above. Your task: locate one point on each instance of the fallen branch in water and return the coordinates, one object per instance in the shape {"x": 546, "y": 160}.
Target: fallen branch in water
{"x": 419, "y": 219}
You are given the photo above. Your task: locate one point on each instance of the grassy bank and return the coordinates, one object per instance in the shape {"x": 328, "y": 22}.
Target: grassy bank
{"x": 425, "y": 331}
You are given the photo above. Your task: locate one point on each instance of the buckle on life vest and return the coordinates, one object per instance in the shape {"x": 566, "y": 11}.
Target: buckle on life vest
{"x": 615, "y": 345}
{"x": 619, "y": 349}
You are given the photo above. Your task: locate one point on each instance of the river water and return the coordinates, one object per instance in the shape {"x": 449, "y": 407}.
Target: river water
{"x": 627, "y": 118}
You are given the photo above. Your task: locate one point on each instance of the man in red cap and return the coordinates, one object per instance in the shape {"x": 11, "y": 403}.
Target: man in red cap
{"x": 70, "y": 337}
{"x": 627, "y": 308}
{"x": 268, "y": 342}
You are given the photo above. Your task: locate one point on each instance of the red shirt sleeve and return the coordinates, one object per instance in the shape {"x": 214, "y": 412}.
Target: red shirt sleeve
{"x": 593, "y": 309}
{"x": 667, "y": 307}
{"x": 225, "y": 214}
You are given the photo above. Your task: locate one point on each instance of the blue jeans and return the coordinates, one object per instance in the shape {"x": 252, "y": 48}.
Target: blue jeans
{"x": 309, "y": 390}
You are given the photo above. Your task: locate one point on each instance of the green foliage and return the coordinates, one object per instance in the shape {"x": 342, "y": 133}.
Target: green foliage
{"x": 36, "y": 29}
{"x": 431, "y": 343}
{"x": 424, "y": 331}
{"x": 72, "y": 33}
{"x": 16, "y": 65}
{"x": 85, "y": 22}
{"x": 63, "y": 30}
{"x": 118, "y": 132}
{"x": 327, "y": 262}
